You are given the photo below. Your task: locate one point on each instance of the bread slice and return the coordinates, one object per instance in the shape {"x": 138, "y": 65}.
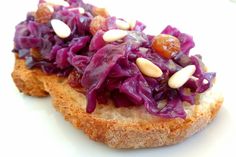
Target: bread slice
{"x": 131, "y": 127}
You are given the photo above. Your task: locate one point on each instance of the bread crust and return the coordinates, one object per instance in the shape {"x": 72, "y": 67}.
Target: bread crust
{"x": 117, "y": 127}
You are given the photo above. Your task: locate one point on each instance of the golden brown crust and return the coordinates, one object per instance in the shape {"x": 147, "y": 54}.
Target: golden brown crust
{"x": 28, "y": 83}
{"x": 116, "y": 127}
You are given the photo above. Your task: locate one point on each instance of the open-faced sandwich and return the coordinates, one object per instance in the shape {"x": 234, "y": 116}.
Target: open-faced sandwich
{"x": 107, "y": 77}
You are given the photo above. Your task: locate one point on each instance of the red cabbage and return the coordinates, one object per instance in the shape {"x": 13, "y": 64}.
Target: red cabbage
{"x": 185, "y": 39}
{"x": 98, "y": 69}
{"x": 61, "y": 58}
{"x": 139, "y": 26}
{"x": 108, "y": 71}
{"x": 97, "y": 41}
{"x": 80, "y": 62}
{"x": 54, "y": 50}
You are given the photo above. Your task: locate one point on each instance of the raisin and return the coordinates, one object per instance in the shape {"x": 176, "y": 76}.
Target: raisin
{"x": 97, "y": 23}
{"x": 166, "y": 45}
{"x": 35, "y": 54}
{"x": 43, "y": 14}
{"x": 100, "y": 11}
{"x": 74, "y": 79}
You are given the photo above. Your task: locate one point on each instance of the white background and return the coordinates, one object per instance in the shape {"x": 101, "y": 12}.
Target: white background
{"x": 31, "y": 126}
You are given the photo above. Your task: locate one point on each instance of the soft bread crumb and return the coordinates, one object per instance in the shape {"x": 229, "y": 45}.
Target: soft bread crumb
{"x": 123, "y": 127}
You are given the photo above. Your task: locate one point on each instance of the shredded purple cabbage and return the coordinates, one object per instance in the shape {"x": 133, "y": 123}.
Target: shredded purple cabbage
{"x": 185, "y": 39}
{"x": 108, "y": 71}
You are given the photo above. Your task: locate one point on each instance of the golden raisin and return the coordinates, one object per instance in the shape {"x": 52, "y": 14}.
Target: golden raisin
{"x": 97, "y": 23}
{"x": 166, "y": 45}
{"x": 74, "y": 80}
{"x": 43, "y": 14}
{"x": 35, "y": 53}
{"x": 100, "y": 11}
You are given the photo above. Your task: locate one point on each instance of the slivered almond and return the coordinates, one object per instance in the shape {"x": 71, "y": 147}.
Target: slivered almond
{"x": 58, "y": 2}
{"x": 132, "y": 23}
{"x": 50, "y": 7}
{"x": 148, "y": 68}
{"x": 205, "y": 81}
{"x": 80, "y": 9}
{"x": 179, "y": 78}
{"x": 194, "y": 78}
{"x": 60, "y": 28}
{"x": 122, "y": 24}
{"x": 114, "y": 35}
{"x": 161, "y": 104}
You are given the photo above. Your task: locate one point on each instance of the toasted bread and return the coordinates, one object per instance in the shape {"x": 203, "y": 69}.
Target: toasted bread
{"x": 123, "y": 127}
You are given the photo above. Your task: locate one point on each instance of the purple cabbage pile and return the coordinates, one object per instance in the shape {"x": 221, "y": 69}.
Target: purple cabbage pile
{"x": 108, "y": 70}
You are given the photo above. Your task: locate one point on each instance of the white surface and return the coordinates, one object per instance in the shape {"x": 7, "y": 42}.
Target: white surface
{"x": 31, "y": 127}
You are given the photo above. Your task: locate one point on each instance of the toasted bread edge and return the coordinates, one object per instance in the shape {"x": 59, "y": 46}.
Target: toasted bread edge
{"x": 116, "y": 133}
